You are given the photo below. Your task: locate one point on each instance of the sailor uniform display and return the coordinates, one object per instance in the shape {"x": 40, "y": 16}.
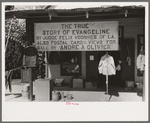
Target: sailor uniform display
{"x": 141, "y": 61}
{"x": 107, "y": 65}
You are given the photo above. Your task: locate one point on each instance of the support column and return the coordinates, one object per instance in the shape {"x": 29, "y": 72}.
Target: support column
{"x": 31, "y": 84}
{"x": 143, "y": 97}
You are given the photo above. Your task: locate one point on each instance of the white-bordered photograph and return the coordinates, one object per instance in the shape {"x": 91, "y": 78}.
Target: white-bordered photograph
{"x": 75, "y": 61}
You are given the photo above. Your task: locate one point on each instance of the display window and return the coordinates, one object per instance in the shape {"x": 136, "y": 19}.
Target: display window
{"x": 70, "y": 63}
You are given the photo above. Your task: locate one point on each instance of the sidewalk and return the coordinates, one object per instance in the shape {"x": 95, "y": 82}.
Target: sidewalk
{"x": 79, "y": 95}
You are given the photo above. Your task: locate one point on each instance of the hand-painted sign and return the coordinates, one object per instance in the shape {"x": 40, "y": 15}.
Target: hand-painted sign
{"x": 77, "y": 36}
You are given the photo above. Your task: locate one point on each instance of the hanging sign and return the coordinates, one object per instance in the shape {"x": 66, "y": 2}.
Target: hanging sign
{"x": 76, "y": 36}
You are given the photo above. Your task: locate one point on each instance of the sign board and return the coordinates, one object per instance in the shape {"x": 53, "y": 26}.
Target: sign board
{"x": 76, "y": 36}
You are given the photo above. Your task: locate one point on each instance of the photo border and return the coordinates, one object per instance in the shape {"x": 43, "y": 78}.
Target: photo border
{"x": 82, "y": 106}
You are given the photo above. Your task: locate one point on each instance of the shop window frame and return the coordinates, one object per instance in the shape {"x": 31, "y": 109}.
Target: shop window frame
{"x": 62, "y": 56}
{"x": 121, "y": 32}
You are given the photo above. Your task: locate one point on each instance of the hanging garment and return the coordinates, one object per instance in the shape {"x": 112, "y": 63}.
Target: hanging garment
{"x": 128, "y": 60}
{"x": 141, "y": 62}
{"x": 118, "y": 68}
{"x": 107, "y": 65}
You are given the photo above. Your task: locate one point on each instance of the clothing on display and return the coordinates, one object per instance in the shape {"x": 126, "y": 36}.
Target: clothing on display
{"x": 117, "y": 78}
{"x": 118, "y": 68}
{"x": 107, "y": 65}
{"x": 141, "y": 61}
{"x": 128, "y": 60}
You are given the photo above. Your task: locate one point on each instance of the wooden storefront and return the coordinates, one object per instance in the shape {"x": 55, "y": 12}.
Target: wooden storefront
{"x": 131, "y": 25}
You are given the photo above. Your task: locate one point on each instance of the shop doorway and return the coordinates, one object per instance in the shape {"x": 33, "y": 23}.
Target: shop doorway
{"x": 92, "y": 73}
{"x": 128, "y": 50}
{"x": 92, "y": 67}
{"x": 127, "y": 70}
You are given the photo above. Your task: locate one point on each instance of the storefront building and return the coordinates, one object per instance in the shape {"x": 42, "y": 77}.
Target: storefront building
{"x": 75, "y": 40}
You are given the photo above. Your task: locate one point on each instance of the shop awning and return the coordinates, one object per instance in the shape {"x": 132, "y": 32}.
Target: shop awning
{"x": 130, "y": 11}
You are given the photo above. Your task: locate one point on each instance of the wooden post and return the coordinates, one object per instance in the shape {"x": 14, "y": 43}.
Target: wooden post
{"x": 107, "y": 75}
{"x": 107, "y": 84}
{"x": 143, "y": 97}
{"x": 46, "y": 66}
{"x": 31, "y": 84}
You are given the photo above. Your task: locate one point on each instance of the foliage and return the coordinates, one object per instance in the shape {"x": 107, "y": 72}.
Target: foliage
{"x": 15, "y": 42}
{"x": 28, "y": 7}
{"x": 8, "y": 7}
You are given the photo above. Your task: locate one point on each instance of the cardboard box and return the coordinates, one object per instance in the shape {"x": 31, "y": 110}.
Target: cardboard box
{"x": 59, "y": 82}
{"x": 77, "y": 83}
{"x": 89, "y": 85}
{"x": 129, "y": 84}
{"x": 43, "y": 89}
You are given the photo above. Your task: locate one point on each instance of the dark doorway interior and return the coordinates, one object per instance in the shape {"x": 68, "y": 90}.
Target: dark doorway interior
{"x": 92, "y": 73}
{"x": 92, "y": 66}
{"x": 127, "y": 71}
{"x": 128, "y": 49}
